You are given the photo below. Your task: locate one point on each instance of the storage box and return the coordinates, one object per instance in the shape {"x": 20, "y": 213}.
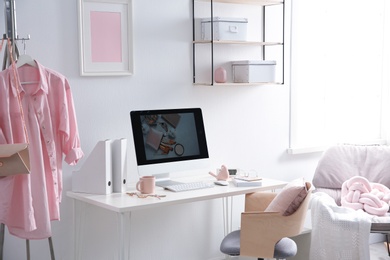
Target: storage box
{"x": 228, "y": 29}
{"x": 248, "y": 71}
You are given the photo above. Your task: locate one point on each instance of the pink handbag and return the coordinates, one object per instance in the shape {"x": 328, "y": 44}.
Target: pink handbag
{"x": 14, "y": 158}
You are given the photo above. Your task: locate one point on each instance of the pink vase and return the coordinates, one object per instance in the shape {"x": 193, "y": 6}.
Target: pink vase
{"x": 220, "y": 75}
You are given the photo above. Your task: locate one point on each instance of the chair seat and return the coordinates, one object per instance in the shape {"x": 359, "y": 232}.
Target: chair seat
{"x": 285, "y": 248}
{"x": 230, "y": 245}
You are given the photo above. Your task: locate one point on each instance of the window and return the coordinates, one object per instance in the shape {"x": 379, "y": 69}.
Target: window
{"x": 339, "y": 73}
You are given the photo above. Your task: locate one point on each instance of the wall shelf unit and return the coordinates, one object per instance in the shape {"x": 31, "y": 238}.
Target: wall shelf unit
{"x": 236, "y": 84}
{"x": 210, "y": 54}
{"x": 249, "y": 2}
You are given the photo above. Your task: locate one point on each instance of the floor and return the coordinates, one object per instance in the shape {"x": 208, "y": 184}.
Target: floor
{"x": 378, "y": 252}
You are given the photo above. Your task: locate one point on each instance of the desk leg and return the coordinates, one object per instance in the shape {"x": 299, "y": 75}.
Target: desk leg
{"x": 124, "y": 234}
{"x": 79, "y": 220}
{"x": 227, "y": 214}
{"x": 123, "y": 229}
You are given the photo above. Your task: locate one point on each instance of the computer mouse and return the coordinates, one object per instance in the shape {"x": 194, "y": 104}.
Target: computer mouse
{"x": 222, "y": 183}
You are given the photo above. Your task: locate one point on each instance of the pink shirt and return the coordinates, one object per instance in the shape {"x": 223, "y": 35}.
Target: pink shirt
{"x": 28, "y": 202}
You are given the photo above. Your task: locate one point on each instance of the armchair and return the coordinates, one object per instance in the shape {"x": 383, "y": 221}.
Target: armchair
{"x": 264, "y": 232}
{"x": 341, "y": 162}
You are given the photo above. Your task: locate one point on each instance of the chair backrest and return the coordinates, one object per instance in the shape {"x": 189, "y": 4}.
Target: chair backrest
{"x": 260, "y": 231}
{"x": 342, "y": 162}
{"x": 296, "y": 221}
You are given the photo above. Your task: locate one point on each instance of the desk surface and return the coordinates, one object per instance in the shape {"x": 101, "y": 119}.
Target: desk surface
{"x": 121, "y": 202}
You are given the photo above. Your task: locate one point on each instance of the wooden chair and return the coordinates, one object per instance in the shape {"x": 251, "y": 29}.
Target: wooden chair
{"x": 342, "y": 162}
{"x": 265, "y": 234}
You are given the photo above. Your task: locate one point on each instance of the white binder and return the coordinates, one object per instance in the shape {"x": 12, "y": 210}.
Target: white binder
{"x": 95, "y": 176}
{"x": 119, "y": 165}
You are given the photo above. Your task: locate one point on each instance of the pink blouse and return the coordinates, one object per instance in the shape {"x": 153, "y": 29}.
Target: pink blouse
{"x": 28, "y": 202}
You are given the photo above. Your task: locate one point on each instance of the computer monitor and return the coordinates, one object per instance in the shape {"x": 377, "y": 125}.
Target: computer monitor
{"x": 169, "y": 140}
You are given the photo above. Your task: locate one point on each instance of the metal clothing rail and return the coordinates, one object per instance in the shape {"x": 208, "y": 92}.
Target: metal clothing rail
{"x": 11, "y": 33}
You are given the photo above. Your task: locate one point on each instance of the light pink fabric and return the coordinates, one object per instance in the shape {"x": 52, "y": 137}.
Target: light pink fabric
{"x": 29, "y": 202}
{"x": 358, "y": 193}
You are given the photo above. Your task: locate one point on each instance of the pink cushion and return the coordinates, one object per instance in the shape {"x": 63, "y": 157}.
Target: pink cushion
{"x": 289, "y": 198}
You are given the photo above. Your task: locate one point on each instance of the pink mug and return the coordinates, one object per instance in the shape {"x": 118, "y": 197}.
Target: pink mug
{"x": 146, "y": 184}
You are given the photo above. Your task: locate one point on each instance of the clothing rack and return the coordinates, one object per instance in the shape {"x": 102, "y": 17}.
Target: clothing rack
{"x": 11, "y": 34}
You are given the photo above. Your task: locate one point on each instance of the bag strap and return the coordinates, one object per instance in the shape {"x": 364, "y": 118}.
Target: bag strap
{"x": 17, "y": 85}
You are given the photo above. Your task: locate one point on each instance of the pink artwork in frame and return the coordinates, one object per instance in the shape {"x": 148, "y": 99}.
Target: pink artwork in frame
{"x": 106, "y": 42}
{"x": 105, "y": 33}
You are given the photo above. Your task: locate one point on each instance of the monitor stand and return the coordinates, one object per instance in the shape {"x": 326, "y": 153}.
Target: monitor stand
{"x": 163, "y": 180}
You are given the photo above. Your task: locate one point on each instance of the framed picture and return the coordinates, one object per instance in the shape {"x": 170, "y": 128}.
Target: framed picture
{"x": 105, "y": 34}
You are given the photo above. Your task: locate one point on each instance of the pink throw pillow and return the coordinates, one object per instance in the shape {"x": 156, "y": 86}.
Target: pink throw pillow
{"x": 288, "y": 200}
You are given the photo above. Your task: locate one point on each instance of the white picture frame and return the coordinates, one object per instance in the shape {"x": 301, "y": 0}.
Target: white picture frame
{"x": 105, "y": 37}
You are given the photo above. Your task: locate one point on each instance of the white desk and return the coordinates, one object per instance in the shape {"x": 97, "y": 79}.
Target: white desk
{"x": 124, "y": 204}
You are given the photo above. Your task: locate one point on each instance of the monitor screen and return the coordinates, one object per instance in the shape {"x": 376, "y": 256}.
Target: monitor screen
{"x": 168, "y": 140}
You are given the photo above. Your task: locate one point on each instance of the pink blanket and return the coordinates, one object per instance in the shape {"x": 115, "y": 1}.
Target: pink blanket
{"x": 358, "y": 193}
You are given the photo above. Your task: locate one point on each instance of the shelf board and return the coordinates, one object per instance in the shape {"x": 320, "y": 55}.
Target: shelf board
{"x": 239, "y": 42}
{"x": 248, "y": 2}
{"x": 238, "y": 84}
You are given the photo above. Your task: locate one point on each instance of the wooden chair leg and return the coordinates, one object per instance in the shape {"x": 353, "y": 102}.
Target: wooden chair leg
{"x": 387, "y": 243}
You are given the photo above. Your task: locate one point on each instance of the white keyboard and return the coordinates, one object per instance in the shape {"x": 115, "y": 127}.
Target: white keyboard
{"x": 189, "y": 186}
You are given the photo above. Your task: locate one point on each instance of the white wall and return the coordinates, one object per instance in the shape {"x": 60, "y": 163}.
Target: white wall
{"x": 247, "y": 127}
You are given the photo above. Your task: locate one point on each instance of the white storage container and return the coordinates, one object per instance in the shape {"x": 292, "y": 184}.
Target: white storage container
{"x": 228, "y": 29}
{"x": 248, "y": 71}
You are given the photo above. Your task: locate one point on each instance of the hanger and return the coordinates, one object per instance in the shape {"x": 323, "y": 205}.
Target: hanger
{"x": 25, "y": 59}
